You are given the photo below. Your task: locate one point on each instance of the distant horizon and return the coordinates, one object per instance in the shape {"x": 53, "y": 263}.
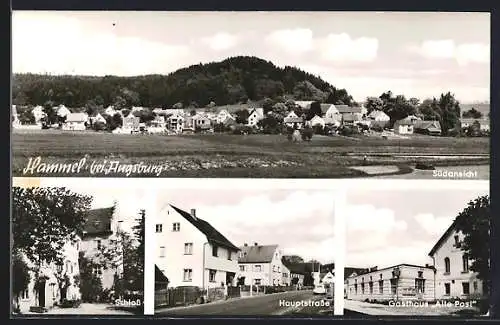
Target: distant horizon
{"x": 366, "y": 53}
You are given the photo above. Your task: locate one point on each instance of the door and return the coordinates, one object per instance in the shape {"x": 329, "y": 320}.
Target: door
{"x": 41, "y": 293}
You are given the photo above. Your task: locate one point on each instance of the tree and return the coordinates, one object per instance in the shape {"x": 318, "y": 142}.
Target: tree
{"x": 44, "y": 220}
{"x": 177, "y": 105}
{"x": 192, "y": 112}
{"x": 21, "y": 276}
{"x": 90, "y": 281}
{"x": 91, "y": 107}
{"x": 270, "y": 125}
{"x": 292, "y": 259}
{"x": 294, "y": 281}
{"x": 475, "y": 223}
{"x": 267, "y": 105}
{"x": 315, "y": 109}
{"x": 448, "y": 110}
{"x": 374, "y": 104}
{"x": 50, "y": 113}
{"x": 279, "y": 111}
{"x": 242, "y": 116}
{"x": 472, "y": 113}
{"x": 26, "y": 116}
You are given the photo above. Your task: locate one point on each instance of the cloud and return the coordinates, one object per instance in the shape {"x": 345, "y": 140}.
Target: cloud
{"x": 341, "y": 47}
{"x": 447, "y": 49}
{"x": 432, "y": 224}
{"x": 61, "y": 45}
{"x": 293, "y": 41}
{"x": 368, "y": 217}
{"x": 221, "y": 41}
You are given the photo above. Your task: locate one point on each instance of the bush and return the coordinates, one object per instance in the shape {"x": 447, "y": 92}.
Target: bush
{"x": 377, "y": 128}
{"x": 70, "y": 303}
{"x": 318, "y": 129}
{"x": 99, "y": 126}
{"x": 307, "y": 134}
{"x": 348, "y": 131}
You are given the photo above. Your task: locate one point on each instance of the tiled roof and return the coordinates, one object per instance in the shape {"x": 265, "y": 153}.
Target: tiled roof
{"x": 76, "y": 117}
{"x": 257, "y": 254}
{"x": 98, "y": 222}
{"x": 346, "y": 109}
{"x": 210, "y": 232}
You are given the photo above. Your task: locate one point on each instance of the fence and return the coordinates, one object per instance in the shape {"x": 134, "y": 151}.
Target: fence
{"x": 182, "y": 296}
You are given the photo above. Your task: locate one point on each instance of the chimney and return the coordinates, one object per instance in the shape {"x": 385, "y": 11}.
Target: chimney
{"x": 193, "y": 212}
{"x": 245, "y": 244}
{"x": 256, "y": 244}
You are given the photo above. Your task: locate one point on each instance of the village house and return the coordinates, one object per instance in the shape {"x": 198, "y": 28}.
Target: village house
{"x": 188, "y": 125}
{"x": 304, "y": 104}
{"x": 255, "y": 116}
{"x": 262, "y": 265}
{"x": 229, "y": 121}
{"x": 48, "y": 292}
{"x": 400, "y": 282}
{"x": 453, "y": 278}
{"x": 427, "y": 127}
{"x": 62, "y": 111}
{"x": 101, "y": 231}
{"x": 293, "y": 121}
{"x": 130, "y": 123}
{"x": 38, "y": 113}
{"x": 222, "y": 115}
{"x": 97, "y": 118}
{"x": 110, "y": 110}
{"x": 484, "y": 124}
{"x": 379, "y": 118}
{"x": 297, "y": 272}
{"x": 202, "y": 122}
{"x": 316, "y": 120}
{"x": 332, "y": 113}
{"x": 403, "y": 126}
{"x": 175, "y": 123}
{"x": 346, "y": 110}
{"x": 75, "y": 122}
{"x": 327, "y": 278}
{"x": 15, "y": 117}
{"x": 350, "y": 119}
{"x": 158, "y": 122}
{"x": 191, "y": 252}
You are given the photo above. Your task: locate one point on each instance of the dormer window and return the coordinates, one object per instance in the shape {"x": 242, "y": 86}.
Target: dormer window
{"x": 457, "y": 242}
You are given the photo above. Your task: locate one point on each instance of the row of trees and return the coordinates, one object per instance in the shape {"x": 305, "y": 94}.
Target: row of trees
{"x": 234, "y": 80}
{"x": 44, "y": 220}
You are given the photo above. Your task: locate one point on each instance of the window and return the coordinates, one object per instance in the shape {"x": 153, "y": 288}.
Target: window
{"x": 447, "y": 289}
{"x": 98, "y": 243}
{"x": 257, "y": 282}
{"x": 371, "y": 287}
{"x": 362, "y": 288}
{"x": 465, "y": 263}
{"x": 229, "y": 255}
{"x": 465, "y": 288}
{"x": 356, "y": 288}
{"x": 25, "y": 294}
{"x": 97, "y": 270}
{"x": 420, "y": 285}
{"x": 242, "y": 268}
{"x": 381, "y": 286}
{"x": 394, "y": 286}
{"x": 274, "y": 268}
{"x": 420, "y": 274}
{"x": 162, "y": 251}
{"x": 188, "y": 275}
{"x": 211, "y": 275}
{"x": 188, "y": 248}
{"x": 215, "y": 251}
{"x": 457, "y": 242}
{"x": 380, "y": 277}
{"x": 258, "y": 268}
{"x": 474, "y": 284}
{"x": 446, "y": 265}
{"x": 59, "y": 268}
{"x": 176, "y": 226}
{"x": 159, "y": 227}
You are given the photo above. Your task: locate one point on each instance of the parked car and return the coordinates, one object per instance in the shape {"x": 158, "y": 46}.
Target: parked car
{"x": 319, "y": 290}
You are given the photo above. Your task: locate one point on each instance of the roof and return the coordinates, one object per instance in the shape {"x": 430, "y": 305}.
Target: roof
{"x": 293, "y": 120}
{"x": 375, "y": 269}
{"x": 377, "y": 113}
{"x": 76, "y": 117}
{"x": 427, "y": 125}
{"x": 403, "y": 122}
{"x": 159, "y": 276}
{"x": 350, "y": 117}
{"x": 347, "y": 109}
{"x": 472, "y": 120}
{"x": 443, "y": 238}
{"x": 348, "y": 271}
{"x": 257, "y": 254}
{"x": 296, "y": 268}
{"x": 325, "y": 107}
{"x": 98, "y": 222}
{"x": 229, "y": 120}
{"x": 207, "y": 229}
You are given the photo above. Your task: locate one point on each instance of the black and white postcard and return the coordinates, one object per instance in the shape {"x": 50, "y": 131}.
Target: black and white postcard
{"x": 251, "y": 94}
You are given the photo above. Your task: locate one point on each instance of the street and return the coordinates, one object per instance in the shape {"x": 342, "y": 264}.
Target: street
{"x": 255, "y": 306}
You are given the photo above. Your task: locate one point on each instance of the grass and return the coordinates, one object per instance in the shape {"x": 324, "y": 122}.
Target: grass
{"x": 322, "y": 157}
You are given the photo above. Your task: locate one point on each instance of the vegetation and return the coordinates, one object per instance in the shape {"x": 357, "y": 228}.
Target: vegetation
{"x": 231, "y": 81}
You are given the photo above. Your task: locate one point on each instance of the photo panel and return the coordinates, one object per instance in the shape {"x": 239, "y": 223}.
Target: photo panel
{"x": 77, "y": 248}
{"x": 418, "y": 249}
{"x": 299, "y": 95}
{"x": 247, "y": 249}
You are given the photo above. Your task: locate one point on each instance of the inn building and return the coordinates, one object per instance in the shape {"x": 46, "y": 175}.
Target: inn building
{"x": 399, "y": 282}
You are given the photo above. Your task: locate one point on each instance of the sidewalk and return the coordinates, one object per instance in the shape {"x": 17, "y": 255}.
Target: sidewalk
{"x": 84, "y": 309}
{"x": 386, "y": 310}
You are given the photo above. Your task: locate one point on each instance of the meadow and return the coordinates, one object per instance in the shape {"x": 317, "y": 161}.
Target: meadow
{"x": 225, "y": 155}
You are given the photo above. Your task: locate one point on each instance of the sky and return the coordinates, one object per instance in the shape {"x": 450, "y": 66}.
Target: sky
{"x": 129, "y": 200}
{"x": 416, "y": 54}
{"x": 300, "y": 222}
{"x": 387, "y": 227}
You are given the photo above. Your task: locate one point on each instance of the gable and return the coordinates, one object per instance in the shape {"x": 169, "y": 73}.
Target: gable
{"x": 257, "y": 254}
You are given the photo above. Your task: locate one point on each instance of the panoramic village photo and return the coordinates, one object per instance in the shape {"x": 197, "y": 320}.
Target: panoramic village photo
{"x": 244, "y": 253}
{"x": 418, "y": 252}
{"x": 76, "y": 251}
{"x": 298, "y": 95}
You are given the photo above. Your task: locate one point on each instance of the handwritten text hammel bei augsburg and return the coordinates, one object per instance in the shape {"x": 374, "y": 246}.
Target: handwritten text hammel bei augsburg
{"x": 105, "y": 167}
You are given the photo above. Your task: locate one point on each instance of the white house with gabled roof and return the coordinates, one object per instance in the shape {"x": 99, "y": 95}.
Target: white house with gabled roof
{"x": 262, "y": 265}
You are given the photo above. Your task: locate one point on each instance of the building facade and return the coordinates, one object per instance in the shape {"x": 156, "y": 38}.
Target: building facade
{"x": 262, "y": 265}
{"x": 400, "y": 282}
{"x": 190, "y": 252}
{"x": 454, "y": 279}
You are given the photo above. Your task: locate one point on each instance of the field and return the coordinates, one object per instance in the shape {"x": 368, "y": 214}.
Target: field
{"x": 222, "y": 155}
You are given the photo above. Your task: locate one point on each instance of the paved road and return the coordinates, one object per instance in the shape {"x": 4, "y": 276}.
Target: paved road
{"x": 249, "y": 306}
{"x": 365, "y": 308}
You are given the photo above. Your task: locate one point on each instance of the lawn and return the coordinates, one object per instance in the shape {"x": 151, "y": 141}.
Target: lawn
{"x": 223, "y": 155}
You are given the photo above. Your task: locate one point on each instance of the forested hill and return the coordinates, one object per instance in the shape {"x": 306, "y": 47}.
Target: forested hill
{"x": 234, "y": 80}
